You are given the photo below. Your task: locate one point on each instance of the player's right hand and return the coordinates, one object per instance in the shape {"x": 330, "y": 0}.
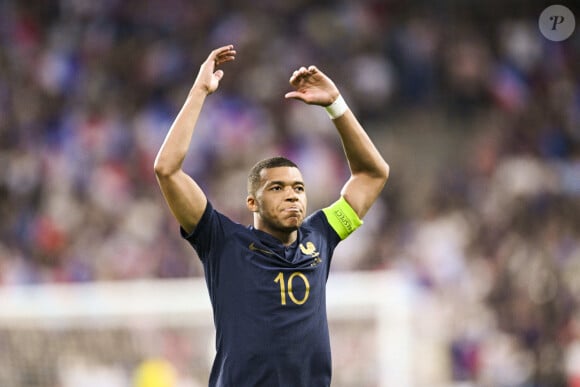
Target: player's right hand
{"x": 208, "y": 77}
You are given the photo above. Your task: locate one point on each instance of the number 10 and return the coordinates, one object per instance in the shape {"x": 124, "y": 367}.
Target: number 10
{"x": 280, "y": 279}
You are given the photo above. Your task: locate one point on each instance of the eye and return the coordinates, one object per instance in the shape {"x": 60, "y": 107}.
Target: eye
{"x": 299, "y": 188}
{"x": 275, "y": 188}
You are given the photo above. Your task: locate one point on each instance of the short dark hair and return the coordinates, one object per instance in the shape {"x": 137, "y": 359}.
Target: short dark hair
{"x": 272, "y": 162}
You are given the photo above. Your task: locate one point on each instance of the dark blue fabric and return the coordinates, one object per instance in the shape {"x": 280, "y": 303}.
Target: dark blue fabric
{"x": 270, "y": 329}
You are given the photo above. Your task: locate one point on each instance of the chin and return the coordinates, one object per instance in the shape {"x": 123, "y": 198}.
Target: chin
{"x": 292, "y": 226}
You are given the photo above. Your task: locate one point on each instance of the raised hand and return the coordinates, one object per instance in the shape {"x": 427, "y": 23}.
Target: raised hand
{"x": 312, "y": 86}
{"x": 208, "y": 77}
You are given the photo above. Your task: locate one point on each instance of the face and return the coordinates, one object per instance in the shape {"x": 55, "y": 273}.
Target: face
{"x": 280, "y": 200}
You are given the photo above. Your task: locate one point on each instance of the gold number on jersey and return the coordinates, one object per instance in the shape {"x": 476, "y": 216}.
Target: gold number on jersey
{"x": 280, "y": 280}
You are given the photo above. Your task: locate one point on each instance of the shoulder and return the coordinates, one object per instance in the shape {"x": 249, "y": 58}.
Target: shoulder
{"x": 315, "y": 220}
{"x": 212, "y": 225}
{"x": 317, "y": 224}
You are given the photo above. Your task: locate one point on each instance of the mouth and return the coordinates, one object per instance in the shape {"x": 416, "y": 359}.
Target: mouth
{"x": 293, "y": 212}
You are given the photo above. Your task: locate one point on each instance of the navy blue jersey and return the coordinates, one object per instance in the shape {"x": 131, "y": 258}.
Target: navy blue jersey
{"x": 269, "y": 301}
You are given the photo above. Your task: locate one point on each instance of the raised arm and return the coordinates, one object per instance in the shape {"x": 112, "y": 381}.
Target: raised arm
{"x": 183, "y": 195}
{"x": 369, "y": 171}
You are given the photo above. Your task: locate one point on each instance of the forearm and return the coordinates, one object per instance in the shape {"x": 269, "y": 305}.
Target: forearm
{"x": 362, "y": 155}
{"x": 369, "y": 171}
{"x": 174, "y": 149}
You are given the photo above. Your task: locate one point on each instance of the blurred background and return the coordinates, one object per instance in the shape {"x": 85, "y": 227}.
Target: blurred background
{"x": 477, "y": 113}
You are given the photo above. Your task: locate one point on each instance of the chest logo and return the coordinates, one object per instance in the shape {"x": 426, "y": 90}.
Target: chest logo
{"x": 310, "y": 249}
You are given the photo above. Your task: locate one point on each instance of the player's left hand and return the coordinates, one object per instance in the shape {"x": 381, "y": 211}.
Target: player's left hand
{"x": 312, "y": 86}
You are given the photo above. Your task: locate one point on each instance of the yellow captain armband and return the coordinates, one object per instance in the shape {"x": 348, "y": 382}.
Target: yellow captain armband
{"x": 342, "y": 218}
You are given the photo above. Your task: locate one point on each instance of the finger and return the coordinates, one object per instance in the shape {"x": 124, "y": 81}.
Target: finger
{"x": 226, "y": 54}
{"x": 294, "y": 95}
{"x": 298, "y": 74}
{"x": 224, "y": 59}
{"x": 223, "y": 54}
{"x": 293, "y": 77}
{"x": 302, "y": 71}
{"x": 222, "y": 49}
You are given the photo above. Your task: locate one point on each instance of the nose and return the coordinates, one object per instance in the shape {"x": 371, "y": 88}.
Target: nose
{"x": 291, "y": 195}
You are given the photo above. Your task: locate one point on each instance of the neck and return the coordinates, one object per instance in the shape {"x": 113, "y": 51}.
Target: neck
{"x": 287, "y": 237}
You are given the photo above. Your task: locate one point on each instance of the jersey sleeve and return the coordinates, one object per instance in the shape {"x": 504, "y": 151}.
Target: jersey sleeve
{"x": 342, "y": 218}
{"x": 209, "y": 233}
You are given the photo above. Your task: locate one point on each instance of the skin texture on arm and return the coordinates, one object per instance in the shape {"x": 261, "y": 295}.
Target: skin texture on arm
{"x": 182, "y": 194}
{"x": 369, "y": 171}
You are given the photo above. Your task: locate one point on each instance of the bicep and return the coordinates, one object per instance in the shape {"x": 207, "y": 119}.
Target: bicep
{"x": 361, "y": 191}
{"x": 184, "y": 197}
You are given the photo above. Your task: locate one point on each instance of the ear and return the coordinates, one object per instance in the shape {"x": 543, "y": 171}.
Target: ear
{"x": 251, "y": 203}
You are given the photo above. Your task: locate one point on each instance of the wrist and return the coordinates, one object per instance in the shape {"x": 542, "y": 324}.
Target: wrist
{"x": 337, "y": 108}
{"x": 198, "y": 91}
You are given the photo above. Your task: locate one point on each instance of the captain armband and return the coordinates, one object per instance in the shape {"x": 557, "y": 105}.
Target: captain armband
{"x": 342, "y": 218}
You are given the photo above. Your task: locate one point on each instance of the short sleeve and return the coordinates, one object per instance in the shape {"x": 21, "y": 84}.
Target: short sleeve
{"x": 209, "y": 233}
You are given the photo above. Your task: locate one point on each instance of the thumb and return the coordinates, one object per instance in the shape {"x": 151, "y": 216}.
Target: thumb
{"x": 219, "y": 74}
{"x": 294, "y": 94}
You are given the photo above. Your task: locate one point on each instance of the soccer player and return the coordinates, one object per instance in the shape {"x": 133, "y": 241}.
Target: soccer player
{"x": 267, "y": 282}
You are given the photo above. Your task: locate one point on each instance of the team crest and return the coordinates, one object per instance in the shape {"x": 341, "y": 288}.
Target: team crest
{"x": 310, "y": 249}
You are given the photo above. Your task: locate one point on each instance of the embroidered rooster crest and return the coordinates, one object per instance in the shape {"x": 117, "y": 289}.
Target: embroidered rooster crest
{"x": 310, "y": 249}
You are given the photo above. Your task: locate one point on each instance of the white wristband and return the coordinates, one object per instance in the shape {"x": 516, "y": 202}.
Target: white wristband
{"x": 337, "y": 108}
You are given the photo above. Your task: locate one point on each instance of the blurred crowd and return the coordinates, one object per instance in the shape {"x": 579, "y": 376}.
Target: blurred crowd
{"x": 476, "y": 112}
